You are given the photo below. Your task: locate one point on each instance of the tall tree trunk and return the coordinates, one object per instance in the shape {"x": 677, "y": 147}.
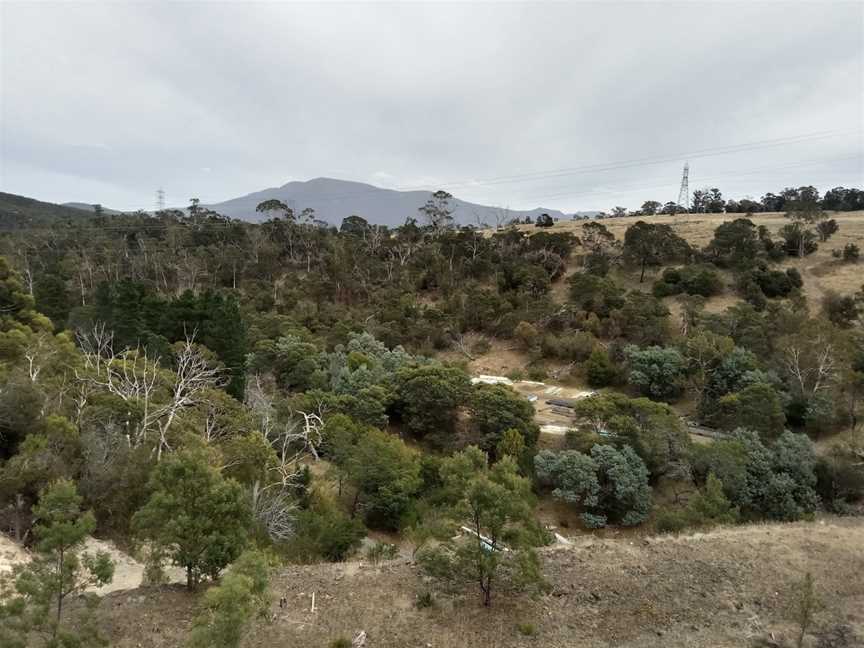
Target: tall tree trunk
{"x": 59, "y": 592}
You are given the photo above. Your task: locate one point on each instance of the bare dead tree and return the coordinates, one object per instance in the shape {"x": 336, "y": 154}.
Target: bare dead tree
{"x": 134, "y": 377}
{"x": 192, "y": 376}
{"x": 812, "y": 366}
{"x": 37, "y": 353}
{"x": 262, "y": 405}
{"x": 276, "y": 511}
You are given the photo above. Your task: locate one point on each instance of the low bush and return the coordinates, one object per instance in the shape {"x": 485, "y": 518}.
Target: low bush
{"x": 575, "y": 347}
{"x": 424, "y": 600}
{"x": 381, "y": 551}
{"x": 324, "y": 534}
{"x": 692, "y": 280}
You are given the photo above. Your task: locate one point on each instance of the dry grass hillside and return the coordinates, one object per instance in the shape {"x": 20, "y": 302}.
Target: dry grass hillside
{"x": 726, "y": 588}
{"x": 821, "y": 271}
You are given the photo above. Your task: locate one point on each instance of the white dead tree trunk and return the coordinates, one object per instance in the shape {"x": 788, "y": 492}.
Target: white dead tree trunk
{"x": 812, "y": 367}
{"x": 136, "y": 378}
{"x": 37, "y": 353}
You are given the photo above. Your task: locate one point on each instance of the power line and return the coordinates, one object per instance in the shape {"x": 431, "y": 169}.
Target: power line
{"x": 619, "y": 189}
{"x": 663, "y": 183}
{"x": 608, "y": 166}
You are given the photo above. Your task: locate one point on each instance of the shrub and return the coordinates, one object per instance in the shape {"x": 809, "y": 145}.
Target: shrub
{"x": 841, "y": 310}
{"x": 516, "y": 375}
{"x": 324, "y": 533}
{"x": 424, "y": 600}
{"x": 340, "y": 642}
{"x": 527, "y": 629}
{"x": 575, "y": 347}
{"x": 537, "y": 372}
{"x": 851, "y": 253}
{"x": 710, "y": 505}
{"x": 670, "y": 520}
{"x": 230, "y": 606}
{"x": 826, "y": 229}
{"x": 839, "y": 483}
{"x": 381, "y": 551}
{"x": 481, "y": 347}
{"x": 527, "y": 334}
{"x": 693, "y": 280}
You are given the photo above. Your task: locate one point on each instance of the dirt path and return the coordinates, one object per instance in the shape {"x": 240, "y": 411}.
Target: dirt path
{"x": 128, "y": 571}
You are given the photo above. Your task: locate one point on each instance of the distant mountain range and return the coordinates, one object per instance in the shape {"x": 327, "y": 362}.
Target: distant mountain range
{"x": 90, "y": 208}
{"x": 20, "y": 211}
{"x": 333, "y": 200}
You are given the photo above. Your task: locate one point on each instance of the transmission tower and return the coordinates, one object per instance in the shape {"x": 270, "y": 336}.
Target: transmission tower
{"x": 160, "y": 200}
{"x": 684, "y": 191}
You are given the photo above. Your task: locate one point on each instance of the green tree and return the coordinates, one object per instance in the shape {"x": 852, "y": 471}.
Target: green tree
{"x": 495, "y": 409}
{"x": 710, "y": 506}
{"x": 57, "y": 571}
{"x": 512, "y": 444}
{"x": 194, "y": 516}
{"x": 657, "y": 371}
{"x": 803, "y": 604}
{"x": 642, "y": 319}
{"x": 386, "y": 475}
{"x": 595, "y": 294}
{"x": 654, "y": 430}
{"x": 652, "y": 244}
{"x": 437, "y": 212}
{"x": 599, "y": 369}
{"x": 494, "y": 504}
{"x": 276, "y": 207}
{"x": 757, "y": 407}
{"x": 231, "y": 606}
{"x": 354, "y": 226}
{"x": 544, "y": 220}
{"x": 52, "y": 298}
{"x": 735, "y": 244}
{"x": 650, "y": 207}
{"x": 610, "y": 484}
{"x": 429, "y": 396}
{"x": 601, "y": 248}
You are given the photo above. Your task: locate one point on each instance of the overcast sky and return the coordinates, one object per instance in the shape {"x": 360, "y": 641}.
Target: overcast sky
{"x": 106, "y": 102}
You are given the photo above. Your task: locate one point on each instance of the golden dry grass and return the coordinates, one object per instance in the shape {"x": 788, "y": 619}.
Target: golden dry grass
{"x": 717, "y": 589}
{"x": 821, "y": 271}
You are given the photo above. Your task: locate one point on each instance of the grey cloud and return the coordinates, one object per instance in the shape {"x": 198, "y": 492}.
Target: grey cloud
{"x": 119, "y": 99}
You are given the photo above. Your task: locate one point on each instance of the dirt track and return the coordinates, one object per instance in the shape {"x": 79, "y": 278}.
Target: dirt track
{"x": 713, "y": 590}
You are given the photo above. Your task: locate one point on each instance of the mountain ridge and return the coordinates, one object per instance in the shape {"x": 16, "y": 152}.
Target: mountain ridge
{"x": 334, "y": 199}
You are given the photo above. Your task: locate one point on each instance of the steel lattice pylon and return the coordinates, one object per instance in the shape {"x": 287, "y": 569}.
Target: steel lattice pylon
{"x": 684, "y": 192}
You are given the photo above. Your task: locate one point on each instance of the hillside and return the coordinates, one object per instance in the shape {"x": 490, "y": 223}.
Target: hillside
{"x": 333, "y": 200}
{"x": 820, "y": 271}
{"x": 720, "y": 589}
{"x": 19, "y": 211}
{"x": 91, "y": 208}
